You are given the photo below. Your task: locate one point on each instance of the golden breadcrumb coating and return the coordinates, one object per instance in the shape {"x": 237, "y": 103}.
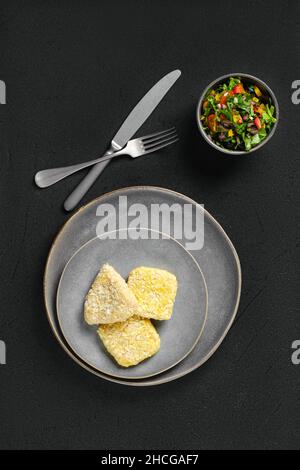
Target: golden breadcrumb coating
{"x": 155, "y": 290}
{"x": 109, "y": 299}
{"x": 130, "y": 342}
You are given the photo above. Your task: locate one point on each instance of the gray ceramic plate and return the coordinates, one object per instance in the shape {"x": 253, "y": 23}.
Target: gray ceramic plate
{"x": 218, "y": 260}
{"x": 178, "y": 336}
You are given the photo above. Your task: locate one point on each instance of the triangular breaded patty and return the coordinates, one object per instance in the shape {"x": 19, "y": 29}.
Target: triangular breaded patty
{"x": 109, "y": 299}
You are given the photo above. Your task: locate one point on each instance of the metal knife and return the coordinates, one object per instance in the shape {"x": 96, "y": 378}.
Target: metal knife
{"x": 132, "y": 123}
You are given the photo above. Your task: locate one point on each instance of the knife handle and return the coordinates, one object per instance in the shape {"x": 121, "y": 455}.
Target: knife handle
{"x": 75, "y": 197}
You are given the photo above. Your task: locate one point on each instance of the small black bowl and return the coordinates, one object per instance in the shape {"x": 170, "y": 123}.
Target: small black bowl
{"x": 246, "y": 78}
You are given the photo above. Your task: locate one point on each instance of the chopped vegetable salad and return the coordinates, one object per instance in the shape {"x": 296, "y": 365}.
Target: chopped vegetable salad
{"x": 237, "y": 116}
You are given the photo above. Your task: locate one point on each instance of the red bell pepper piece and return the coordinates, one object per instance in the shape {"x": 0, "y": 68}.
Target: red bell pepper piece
{"x": 224, "y": 97}
{"x": 257, "y": 122}
{"x": 238, "y": 89}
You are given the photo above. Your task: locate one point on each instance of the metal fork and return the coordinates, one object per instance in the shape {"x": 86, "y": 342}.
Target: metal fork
{"x": 134, "y": 148}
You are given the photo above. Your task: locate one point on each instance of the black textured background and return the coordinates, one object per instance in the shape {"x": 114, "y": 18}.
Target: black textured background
{"x": 73, "y": 71}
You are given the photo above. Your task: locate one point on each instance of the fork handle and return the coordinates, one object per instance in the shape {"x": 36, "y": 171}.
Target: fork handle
{"x": 75, "y": 197}
{"x": 46, "y": 178}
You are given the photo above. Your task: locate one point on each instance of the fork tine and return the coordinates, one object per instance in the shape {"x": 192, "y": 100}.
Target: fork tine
{"x": 158, "y": 138}
{"x": 160, "y": 141}
{"x": 156, "y": 134}
{"x": 158, "y": 147}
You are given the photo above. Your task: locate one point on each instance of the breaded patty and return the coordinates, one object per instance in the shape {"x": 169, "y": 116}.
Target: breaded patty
{"x": 130, "y": 342}
{"x": 109, "y": 299}
{"x": 155, "y": 290}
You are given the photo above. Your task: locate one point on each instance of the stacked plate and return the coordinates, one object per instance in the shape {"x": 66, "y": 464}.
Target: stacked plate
{"x": 207, "y": 270}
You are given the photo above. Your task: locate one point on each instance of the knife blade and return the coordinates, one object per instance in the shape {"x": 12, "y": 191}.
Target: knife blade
{"x": 132, "y": 123}
{"x": 144, "y": 108}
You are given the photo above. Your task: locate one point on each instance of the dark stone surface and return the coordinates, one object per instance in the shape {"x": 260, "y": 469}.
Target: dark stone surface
{"x": 73, "y": 71}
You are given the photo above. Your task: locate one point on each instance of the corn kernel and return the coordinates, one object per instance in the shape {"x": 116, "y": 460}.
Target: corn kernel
{"x": 257, "y": 91}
